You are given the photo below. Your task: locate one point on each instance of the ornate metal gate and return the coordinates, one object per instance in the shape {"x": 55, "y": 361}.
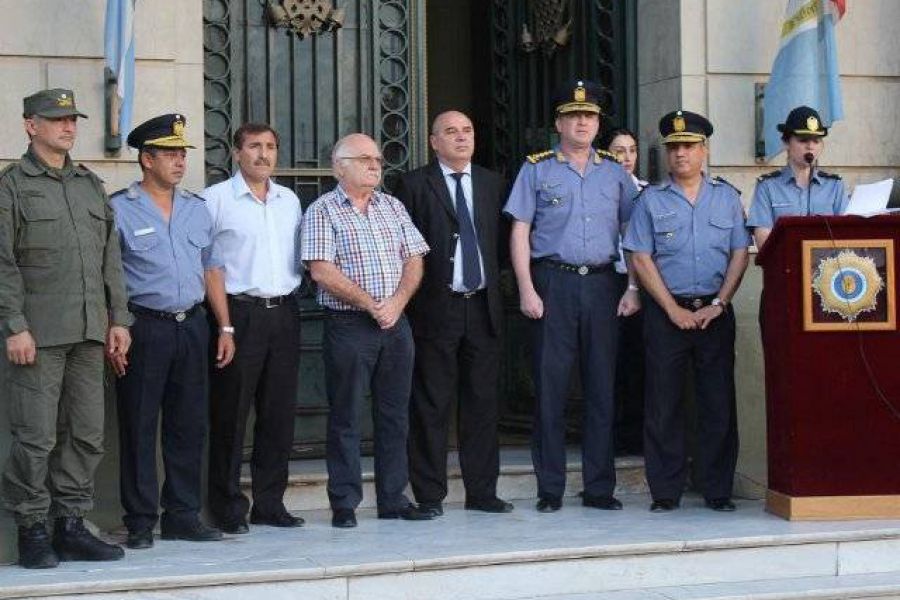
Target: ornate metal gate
{"x": 360, "y": 77}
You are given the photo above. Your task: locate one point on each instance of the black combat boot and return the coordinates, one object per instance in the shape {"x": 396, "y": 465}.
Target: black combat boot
{"x": 72, "y": 541}
{"x": 34, "y": 547}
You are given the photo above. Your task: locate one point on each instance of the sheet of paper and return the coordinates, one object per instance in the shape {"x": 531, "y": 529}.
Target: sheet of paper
{"x": 870, "y": 198}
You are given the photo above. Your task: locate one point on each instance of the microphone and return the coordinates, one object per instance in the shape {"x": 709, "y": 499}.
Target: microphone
{"x": 810, "y": 159}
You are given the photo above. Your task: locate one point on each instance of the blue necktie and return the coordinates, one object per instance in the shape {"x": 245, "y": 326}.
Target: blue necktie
{"x": 471, "y": 265}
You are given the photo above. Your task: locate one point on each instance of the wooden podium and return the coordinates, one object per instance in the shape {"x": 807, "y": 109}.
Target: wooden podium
{"x": 832, "y": 354}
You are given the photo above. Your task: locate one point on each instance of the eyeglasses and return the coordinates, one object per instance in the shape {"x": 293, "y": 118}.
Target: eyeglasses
{"x": 377, "y": 160}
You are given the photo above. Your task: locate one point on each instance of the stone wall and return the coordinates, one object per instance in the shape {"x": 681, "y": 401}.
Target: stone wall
{"x": 706, "y": 56}
{"x": 47, "y": 43}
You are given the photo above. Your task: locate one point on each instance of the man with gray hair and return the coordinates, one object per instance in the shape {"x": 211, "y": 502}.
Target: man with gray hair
{"x": 365, "y": 254}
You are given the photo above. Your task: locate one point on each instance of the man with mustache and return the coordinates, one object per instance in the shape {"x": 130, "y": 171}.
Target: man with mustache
{"x": 255, "y": 228}
{"x": 569, "y": 206}
{"x": 62, "y": 296}
{"x": 689, "y": 250}
{"x": 165, "y": 233}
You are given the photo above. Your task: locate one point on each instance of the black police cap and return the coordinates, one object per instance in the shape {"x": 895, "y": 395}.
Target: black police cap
{"x": 164, "y": 131}
{"x": 578, "y": 95}
{"x": 803, "y": 120}
{"x": 684, "y": 126}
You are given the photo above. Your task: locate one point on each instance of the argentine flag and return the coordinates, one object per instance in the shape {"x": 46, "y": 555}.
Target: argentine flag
{"x": 119, "y": 52}
{"x": 806, "y": 67}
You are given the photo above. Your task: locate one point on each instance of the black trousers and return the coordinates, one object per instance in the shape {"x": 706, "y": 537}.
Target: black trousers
{"x": 263, "y": 375}
{"x": 167, "y": 372}
{"x": 579, "y": 327}
{"x": 359, "y": 358}
{"x": 459, "y": 369}
{"x": 629, "y": 428}
{"x": 670, "y": 353}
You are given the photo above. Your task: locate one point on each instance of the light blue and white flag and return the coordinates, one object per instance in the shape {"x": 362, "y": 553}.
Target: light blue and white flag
{"x": 806, "y": 67}
{"x": 119, "y": 51}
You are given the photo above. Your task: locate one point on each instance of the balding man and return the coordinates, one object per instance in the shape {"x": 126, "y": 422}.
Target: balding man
{"x": 455, "y": 318}
{"x": 365, "y": 254}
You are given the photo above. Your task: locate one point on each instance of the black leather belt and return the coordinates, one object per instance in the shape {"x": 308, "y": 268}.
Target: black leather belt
{"x": 263, "y": 302}
{"x": 579, "y": 269}
{"x": 178, "y": 317}
{"x": 694, "y": 302}
{"x": 467, "y": 295}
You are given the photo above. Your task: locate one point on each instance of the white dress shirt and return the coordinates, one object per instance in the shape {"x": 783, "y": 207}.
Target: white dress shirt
{"x": 457, "y": 285}
{"x": 256, "y": 241}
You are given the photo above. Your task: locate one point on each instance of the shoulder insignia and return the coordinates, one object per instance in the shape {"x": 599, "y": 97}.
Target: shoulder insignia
{"x": 719, "y": 180}
{"x": 124, "y": 190}
{"x": 7, "y": 169}
{"x": 540, "y": 156}
{"x": 829, "y": 175}
{"x": 607, "y": 155}
{"x": 769, "y": 175}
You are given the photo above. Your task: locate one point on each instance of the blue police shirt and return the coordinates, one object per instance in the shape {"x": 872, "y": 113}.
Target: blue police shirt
{"x": 163, "y": 261}
{"x": 777, "y": 195}
{"x": 575, "y": 218}
{"x": 690, "y": 244}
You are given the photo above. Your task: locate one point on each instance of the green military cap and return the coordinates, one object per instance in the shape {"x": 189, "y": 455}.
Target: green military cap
{"x": 51, "y": 104}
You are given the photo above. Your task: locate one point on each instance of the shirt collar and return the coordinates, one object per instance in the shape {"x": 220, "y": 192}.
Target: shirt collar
{"x": 787, "y": 174}
{"x": 32, "y": 165}
{"x": 240, "y": 188}
{"x": 669, "y": 183}
{"x": 343, "y": 198}
{"x": 447, "y": 171}
{"x": 135, "y": 191}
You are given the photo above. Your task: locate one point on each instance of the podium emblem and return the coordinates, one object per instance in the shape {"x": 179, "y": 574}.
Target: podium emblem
{"x": 848, "y": 284}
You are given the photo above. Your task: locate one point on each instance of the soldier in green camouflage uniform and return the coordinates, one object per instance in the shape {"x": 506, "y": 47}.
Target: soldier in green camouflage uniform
{"x": 62, "y": 297}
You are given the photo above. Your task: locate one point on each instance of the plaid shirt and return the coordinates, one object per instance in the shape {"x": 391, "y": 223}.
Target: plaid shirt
{"x": 369, "y": 249}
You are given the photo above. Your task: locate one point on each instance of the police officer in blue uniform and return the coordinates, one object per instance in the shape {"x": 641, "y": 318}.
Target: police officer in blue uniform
{"x": 689, "y": 249}
{"x": 799, "y": 188}
{"x": 165, "y": 234}
{"x": 569, "y": 205}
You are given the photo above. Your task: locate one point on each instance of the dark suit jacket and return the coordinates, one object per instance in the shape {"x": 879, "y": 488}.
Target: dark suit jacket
{"x": 425, "y": 195}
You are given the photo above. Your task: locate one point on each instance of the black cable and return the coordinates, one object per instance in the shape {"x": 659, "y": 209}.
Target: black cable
{"x": 873, "y": 381}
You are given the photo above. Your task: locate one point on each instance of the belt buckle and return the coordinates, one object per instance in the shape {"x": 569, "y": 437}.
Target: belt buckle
{"x": 697, "y": 303}
{"x": 180, "y": 316}
{"x": 583, "y": 270}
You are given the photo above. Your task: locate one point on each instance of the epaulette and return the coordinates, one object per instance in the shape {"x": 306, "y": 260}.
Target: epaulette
{"x": 7, "y": 169}
{"x": 829, "y": 175}
{"x": 718, "y": 180}
{"x": 124, "y": 190}
{"x": 194, "y": 195}
{"x": 89, "y": 173}
{"x": 540, "y": 156}
{"x": 769, "y": 175}
{"x": 607, "y": 155}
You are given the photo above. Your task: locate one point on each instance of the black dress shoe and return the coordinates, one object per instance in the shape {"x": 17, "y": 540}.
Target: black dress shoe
{"x": 35, "y": 551}
{"x": 410, "y": 512}
{"x": 343, "y": 518}
{"x": 193, "y": 530}
{"x": 663, "y": 505}
{"x": 721, "y": 504}
{"x": 490, "y": 505}
{"x": 548, "y": 504}
{"x": 140, "y": 540}
{"x": 282, "y": 519}
{"x": 236, "y": 527}
{"x": 72, "y": 541}
{"x": 601, "y": 502}
{"x": 435, "y": 508}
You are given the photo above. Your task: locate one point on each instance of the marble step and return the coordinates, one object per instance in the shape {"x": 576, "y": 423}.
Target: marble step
{"x": 883, "y": 586}
{"x": 575, "y": 554}
{"x": 308, "y": 478}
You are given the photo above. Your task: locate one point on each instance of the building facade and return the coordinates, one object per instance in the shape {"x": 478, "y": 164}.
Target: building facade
{"x": 393, "y": 64}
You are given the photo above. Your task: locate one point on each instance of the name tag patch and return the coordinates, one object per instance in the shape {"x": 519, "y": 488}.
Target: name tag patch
{"x": 144, "y": 231}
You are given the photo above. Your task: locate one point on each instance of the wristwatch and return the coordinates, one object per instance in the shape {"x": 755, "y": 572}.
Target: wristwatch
{"x": 719, "y": 302}
{"x": 633, "y": 287}
{"x": 227, "y": 329}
